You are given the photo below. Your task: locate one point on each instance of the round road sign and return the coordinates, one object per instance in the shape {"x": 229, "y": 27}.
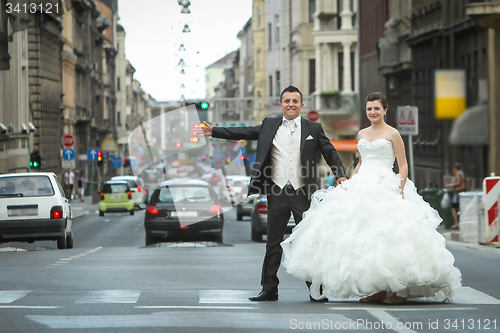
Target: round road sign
{"x": 67, "y": 140}
{"x": 313, "y": 115}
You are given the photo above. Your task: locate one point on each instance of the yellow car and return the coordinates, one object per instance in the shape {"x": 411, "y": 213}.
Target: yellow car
{"x": 116, "y": 196}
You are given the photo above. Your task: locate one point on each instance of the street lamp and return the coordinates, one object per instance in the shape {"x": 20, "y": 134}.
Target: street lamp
{"x": 181, "y": 62}
{"x": 185, "y": 10}
{"x": 184, "y": 3}
{"x": 183, "y": 71}
{"x": 182, "y": 48}
{"x": 186, "y": 28}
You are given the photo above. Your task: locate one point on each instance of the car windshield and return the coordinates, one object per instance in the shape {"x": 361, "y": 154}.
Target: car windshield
{"x": 130, "y": 182}
{"x": 32, "y": 186}
{"x": 184, "y": 193}
{"x": 115, "y": 188}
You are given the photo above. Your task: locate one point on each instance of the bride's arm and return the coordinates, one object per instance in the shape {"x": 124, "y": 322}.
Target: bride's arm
{"x": 399, "y": 150}
{"x": 356, "y": 169}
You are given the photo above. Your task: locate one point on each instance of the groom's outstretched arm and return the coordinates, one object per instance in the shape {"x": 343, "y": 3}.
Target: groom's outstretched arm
{"x": 331, "y": 155}
{"x": 238, "y": 133}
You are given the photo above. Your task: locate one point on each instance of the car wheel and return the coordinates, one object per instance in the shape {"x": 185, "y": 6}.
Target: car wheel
{"x": 61, "y": 242}
{"x": 149, "y": 240}
{"x": 239, "y": 217}
{"x": 256, "y": 237}
{"x": 101, "y": 213}
{"x": 131, "y": 212}
{"x": 69, "y": 240}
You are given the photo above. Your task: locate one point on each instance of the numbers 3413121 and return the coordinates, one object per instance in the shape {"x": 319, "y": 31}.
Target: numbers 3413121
{"x": 32, "y": 8}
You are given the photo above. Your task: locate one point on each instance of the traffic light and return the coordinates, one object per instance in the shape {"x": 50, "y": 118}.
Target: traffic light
{"x": 100, "y": 160}
{"x": 204, "y": 105}
{"x": 126, "y": 163}
{"x": 35, "y": 159}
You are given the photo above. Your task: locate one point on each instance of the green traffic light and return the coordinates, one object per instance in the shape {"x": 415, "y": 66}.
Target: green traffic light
{"x": 204, "y": 105}
{"x": 31, "y": 164}
{"x": 35, "y": 164}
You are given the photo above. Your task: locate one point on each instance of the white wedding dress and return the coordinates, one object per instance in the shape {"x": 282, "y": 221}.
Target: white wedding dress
{"x": 362, "y": 237}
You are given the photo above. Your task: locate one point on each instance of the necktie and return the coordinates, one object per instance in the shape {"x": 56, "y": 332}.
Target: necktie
{"x": 291, "y": 124}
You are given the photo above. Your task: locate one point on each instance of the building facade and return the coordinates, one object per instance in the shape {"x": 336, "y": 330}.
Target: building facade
{"x": 15, "y": 116}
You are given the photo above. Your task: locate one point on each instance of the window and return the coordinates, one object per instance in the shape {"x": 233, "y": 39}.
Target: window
{"x": 258, "y": 17}
{"x": 341, "y": 71}
{"x": 277, "y": 27}
{"x": 117, "y": 47}
{"x": 32, "y": 186}
{"x": 118, "y": 84}
{"x": 258, "y": 60}
{"x": 278, "y": 83}
{"x": 312, "y": 10}
{"x": 115, "y": 188}
{"x": 270, "y": 32}
{"x": 118, "y": 118}
{"x": 184, "y": 194}
{"x": 270, "y": 85}
{"x": 312, "y": 75}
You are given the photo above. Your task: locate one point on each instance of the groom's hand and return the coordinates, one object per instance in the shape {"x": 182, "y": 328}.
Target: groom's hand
{"x": 340, "y": 180}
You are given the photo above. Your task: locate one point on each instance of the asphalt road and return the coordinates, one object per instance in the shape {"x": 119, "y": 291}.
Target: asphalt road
{"x": 111, "y": 282}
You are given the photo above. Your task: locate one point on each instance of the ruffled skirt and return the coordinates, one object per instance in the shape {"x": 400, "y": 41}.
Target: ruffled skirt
{"x": 362, "y": 237}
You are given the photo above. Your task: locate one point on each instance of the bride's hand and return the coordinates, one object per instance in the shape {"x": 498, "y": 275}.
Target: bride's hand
{"x": 402, "y": 193}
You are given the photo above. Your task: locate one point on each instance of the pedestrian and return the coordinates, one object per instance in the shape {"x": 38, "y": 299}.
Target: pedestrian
{"x": 285, "y": 171}
{"x": 82, "y": 184}
{"x": 459, "y": 185}
{"x": 329, "y": 179}
{"x": 373, "y": 236}
{"x": 69, "y": 179}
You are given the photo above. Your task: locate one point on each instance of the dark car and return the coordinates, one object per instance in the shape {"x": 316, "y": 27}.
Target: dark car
{"x": 183, "y": 211}
{"x": 259, "y": 219}
{"x": 246, "y": 206}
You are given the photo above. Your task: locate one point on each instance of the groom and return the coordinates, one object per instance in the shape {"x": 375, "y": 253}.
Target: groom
{"x": 285, "y": 170}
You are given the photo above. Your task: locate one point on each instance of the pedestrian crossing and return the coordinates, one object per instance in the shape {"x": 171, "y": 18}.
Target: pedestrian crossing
{"x": 464, "y": 296}
{"x": 219, "y": 309}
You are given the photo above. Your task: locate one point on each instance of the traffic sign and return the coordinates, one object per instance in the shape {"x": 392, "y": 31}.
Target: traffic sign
{"x": 68, "y": 154}
{"x": 313, "y": 115}
{"x": 68, "y": 164}
{"x": 67, "y": 140}
{"x": 92, "y": 154}
{"x": 408, "y": 120}
{"x": 116, "y": 162}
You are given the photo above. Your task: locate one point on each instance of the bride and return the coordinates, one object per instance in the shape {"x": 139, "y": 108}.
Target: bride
{"x": 373, "y": 236}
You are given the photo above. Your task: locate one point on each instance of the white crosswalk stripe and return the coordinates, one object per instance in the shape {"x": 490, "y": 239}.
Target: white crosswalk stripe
{"x": 9, "y": 296}
{"x": 110, "y": 296}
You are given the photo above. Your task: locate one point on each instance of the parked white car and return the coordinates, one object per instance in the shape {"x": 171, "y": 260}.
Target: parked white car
{"x": 138, "y": 189}
{"x": 34, "y": 207}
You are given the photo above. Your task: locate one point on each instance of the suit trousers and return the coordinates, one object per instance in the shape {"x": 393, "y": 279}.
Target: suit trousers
{"x": 280, "y": 202}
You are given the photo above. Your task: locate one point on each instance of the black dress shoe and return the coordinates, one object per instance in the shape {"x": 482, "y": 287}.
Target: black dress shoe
{"x": 270, "y": 295}
{"x": 324, "y": 299}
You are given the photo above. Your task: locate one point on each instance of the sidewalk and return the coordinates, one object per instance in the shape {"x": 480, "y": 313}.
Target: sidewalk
{"x": 81, "y": 209}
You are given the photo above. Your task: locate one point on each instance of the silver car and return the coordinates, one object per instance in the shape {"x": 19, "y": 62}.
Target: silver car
{"x": 138, "y": 189}
{"x": 259, "y": 219}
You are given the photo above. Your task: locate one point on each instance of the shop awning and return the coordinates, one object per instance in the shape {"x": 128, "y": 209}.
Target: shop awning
{"x": 345, "y": 145}
{"x": 471, "y": 128}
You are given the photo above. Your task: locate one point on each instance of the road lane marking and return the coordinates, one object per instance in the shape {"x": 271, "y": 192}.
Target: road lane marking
{"x": 28, "y": 307}
{"x": 110, "y": 296}
{"x": 195, "y": 307}
{"x": 197, "y": 319}
{"x": 394, "y": 323}
{"x": 468, "y": 295}
{"x": 399, "y": 308}
{"x": 224, "y": 296}
{"x": 9, "y": 296}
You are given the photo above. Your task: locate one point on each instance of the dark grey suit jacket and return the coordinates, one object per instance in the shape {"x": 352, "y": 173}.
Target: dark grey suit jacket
{"x": 261, "y": 171}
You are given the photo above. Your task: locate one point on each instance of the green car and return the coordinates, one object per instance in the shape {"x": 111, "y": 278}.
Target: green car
{"x": 116, "y": 196}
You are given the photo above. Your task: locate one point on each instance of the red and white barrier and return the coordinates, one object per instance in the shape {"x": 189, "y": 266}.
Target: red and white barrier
{"x": 491, "y": 191}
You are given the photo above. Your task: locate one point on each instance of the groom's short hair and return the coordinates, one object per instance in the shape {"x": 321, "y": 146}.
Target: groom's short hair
{"x": 291, "y": 89}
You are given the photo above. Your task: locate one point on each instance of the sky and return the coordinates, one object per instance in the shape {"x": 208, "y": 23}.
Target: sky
{"x": 154, "y": 33}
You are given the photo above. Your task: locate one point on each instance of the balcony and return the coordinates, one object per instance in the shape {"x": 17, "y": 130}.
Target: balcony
{"x": 485, "y": 13}
{"x": 334, "y": 103}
